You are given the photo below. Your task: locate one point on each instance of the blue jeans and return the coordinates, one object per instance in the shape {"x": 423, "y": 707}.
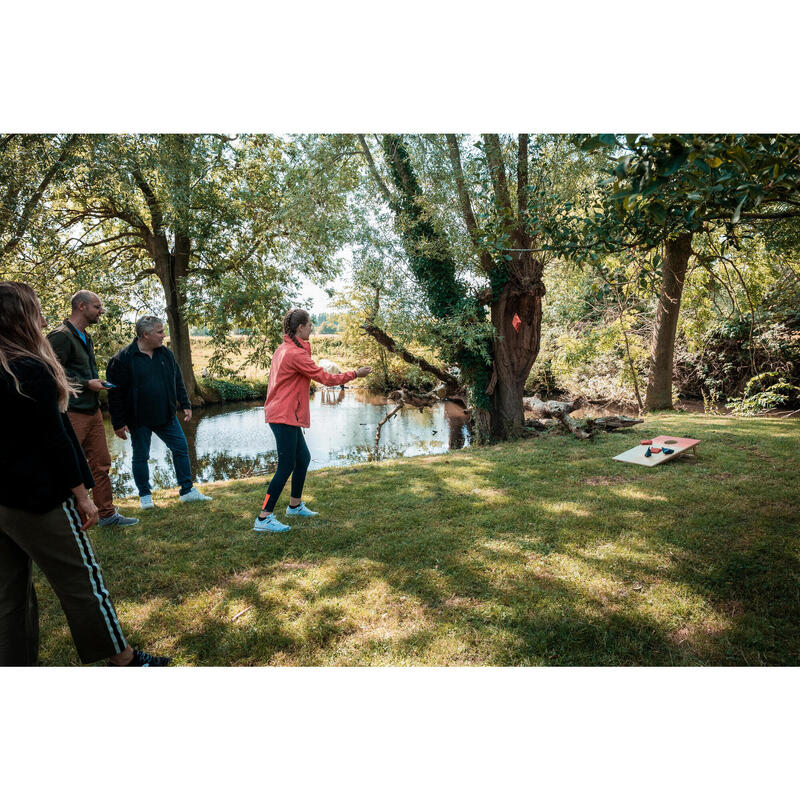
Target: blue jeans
{"x": 173, "y": 437}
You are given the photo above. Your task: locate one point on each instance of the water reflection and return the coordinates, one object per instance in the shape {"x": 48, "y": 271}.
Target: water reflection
{"x": 232, "y": 441}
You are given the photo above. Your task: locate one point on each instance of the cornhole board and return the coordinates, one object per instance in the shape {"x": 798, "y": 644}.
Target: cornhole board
{"x": 636, "y": 455}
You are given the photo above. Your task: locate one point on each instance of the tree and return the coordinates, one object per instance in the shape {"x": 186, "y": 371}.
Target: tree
{"x": 475, "y": 252}
{"x": 665, "y": 189}
{"x": 28, "y": 166}
{"x": 224, "y": 224}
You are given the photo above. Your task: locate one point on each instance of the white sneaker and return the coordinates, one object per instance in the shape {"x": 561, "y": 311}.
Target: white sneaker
{"x": 301, "y": 511}
{"x": 271, "y": 524}
{"x": 193, "y": 495}
{"x": 146, "y": 501}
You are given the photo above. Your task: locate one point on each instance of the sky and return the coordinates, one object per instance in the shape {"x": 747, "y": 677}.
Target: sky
{"x": 315, "y": 292}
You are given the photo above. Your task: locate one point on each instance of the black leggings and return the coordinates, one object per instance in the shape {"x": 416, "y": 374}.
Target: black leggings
{"x": 293, "y": 459}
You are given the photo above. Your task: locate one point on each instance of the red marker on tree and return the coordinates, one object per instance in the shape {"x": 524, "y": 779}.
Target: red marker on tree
{"x": 516, "y": 322}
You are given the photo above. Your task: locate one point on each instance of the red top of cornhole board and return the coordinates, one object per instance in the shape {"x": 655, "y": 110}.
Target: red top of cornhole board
{"x": 636, "y": 455}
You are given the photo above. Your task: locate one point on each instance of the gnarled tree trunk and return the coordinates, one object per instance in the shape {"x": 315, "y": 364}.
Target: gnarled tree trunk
{"x": 662, "y": 348}
{"x": 515, "y": 351}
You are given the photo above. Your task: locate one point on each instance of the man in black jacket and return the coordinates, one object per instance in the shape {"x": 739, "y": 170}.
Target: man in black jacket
{"x": 147, "y": 386}
{"x": 74, "y": 348}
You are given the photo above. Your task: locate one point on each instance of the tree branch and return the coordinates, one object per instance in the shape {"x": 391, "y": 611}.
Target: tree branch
{"x": 383, "y": 338}
{"x": 522, "y": 175}
{"x": 497, "y": 169}
{"x": 464, "y": 200}
{"x": 33, "y": 200}
{"x": 387, "y": 195}
{"x": 156, "y": 217}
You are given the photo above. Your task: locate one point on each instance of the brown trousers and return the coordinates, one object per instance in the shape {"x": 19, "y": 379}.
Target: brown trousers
{"x": 55, "y": 543}
{"x": 91, "y": 435}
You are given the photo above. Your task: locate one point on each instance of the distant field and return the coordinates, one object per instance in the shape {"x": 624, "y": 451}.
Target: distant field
{"x": 202, "y": 350}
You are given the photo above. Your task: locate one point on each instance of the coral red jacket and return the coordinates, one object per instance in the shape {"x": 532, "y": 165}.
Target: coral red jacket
{"x": 290, "y": 378}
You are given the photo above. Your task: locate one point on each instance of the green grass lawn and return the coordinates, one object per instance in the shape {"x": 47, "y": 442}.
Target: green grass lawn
{"x": 543, "y": 551}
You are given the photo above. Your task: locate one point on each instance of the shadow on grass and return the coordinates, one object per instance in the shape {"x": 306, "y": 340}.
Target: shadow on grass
{"x": 541, "y": 552}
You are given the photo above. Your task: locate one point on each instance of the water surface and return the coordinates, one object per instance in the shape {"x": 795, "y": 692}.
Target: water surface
{"x": 232, "y": 440}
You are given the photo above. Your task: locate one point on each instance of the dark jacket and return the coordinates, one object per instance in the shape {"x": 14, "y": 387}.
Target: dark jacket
{"x": 123, "y": 401}
{"x": 79, "y": 363}
{"x": 40, "y": 458}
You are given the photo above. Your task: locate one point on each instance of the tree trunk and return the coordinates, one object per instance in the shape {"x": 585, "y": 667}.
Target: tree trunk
{"x": 662, "y": 348}
{"x": 515, "y": 351}
{"x": 171, "y": 268}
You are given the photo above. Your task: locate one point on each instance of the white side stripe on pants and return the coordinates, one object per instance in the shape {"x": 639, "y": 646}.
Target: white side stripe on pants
{"x": 95, "y": 575}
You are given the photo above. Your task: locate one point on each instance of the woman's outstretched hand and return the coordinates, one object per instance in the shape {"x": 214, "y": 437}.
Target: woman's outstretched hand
{"x": 362, "y": 372}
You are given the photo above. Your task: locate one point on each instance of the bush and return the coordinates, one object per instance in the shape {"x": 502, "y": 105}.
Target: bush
{"x": 763, "y": 393}
{"x": 729, "y": 358}
{"x": 226, "y": 391}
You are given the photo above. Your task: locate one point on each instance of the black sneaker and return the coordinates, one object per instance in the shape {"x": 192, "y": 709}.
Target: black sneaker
{"x": 142, "y": 659}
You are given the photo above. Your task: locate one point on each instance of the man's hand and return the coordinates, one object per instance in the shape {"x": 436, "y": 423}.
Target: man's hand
{"x": 122, "y": 432}
{"x": 187, "y": 414}
{"x": 95, "y": 384}
{"x": 362, "y": 372}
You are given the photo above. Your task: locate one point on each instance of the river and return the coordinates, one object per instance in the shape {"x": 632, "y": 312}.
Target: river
{"x": 232, "y": 440}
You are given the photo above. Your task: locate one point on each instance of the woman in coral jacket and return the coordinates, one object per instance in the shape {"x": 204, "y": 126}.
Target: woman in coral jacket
{"x": 287, "y": 413}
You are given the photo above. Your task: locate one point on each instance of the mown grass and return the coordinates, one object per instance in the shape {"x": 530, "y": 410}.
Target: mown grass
{"x": 544, "y": 551}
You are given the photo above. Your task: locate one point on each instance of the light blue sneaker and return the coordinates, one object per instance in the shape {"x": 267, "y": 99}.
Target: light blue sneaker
{"x": 146, "y": 501}
{"x": 269, "y": 524}
{"x": 193, "y": 496}
{"x": 301, "y": 511}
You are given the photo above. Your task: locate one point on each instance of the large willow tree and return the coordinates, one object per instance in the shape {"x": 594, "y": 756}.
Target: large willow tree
{"x": 462, "y": 211}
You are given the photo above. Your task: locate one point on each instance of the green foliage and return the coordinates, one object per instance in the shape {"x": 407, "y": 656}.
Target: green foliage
{"x": 765, "y": 392}
{"x": 669, "y": 182}
{"x": 247, "y": 209}
{"x": 448, "y": 298}
{"x": 234, "y": 390}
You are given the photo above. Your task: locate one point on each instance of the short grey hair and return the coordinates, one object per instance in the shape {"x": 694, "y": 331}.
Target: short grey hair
{"x": 81, "y": 296}
{"x": 146, "y": 324}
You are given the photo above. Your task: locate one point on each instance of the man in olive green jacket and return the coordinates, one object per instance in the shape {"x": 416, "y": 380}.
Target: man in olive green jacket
{"x": 75, "y": 350}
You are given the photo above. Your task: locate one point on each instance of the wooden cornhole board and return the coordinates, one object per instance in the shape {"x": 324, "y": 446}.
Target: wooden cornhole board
{"x": 636, "y": 455}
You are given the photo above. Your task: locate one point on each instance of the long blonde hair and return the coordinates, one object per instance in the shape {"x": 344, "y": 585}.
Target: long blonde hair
{"x": 21, "y": 336}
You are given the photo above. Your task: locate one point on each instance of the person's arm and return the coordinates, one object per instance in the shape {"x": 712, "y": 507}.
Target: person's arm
{"x": 115, "y": 373}
{"x": 62, "y": 348}
{"x": 304, "y": 364}
{"x": 180, "y": 388}
{"x": 64, "y": 451}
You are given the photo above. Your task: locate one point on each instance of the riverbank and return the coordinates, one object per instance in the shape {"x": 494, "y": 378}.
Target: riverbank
{"x": 543, "y": 551}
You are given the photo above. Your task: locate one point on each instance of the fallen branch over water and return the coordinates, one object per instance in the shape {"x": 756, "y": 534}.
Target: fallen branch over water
{"x": 405, "y": 397}
{"x": 384, "y": 421}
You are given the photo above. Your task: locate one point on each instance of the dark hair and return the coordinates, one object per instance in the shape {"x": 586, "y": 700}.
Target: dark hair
{"x": 292, "y": 321}
{"x": 21, "y": 337}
